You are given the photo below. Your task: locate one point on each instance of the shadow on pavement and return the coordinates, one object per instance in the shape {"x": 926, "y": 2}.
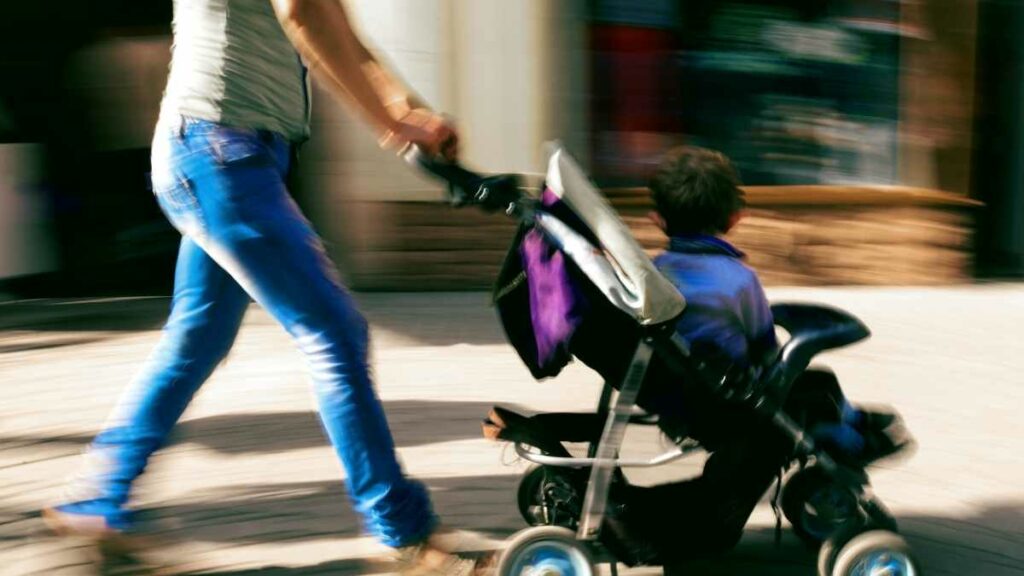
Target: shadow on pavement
{"x": 413, "y": 423}
{"x": 301, "y": 511}
{"x": 336, "y": 568}
{"x": 436, "y": 319}
{"x": 989, "y": 543}
{"x": 101, "y": 315}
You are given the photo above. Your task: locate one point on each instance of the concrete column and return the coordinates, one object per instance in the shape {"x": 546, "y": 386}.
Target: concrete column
{"x": 343, "y": 157}
{"x": 347, "y": 180}
{"x": 512, "y": 73}
{"x": 520, "y": 79}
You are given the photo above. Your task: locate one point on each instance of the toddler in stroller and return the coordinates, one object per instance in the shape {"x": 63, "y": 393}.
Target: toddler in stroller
{"x": 693, "y": 345}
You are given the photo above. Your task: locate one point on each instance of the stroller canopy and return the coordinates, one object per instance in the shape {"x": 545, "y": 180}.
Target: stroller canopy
{"x": 619, "y": 268}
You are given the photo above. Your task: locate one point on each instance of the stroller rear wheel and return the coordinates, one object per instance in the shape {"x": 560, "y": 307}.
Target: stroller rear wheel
{"x": 816, "y": 505}
{"x": 546, "y": 551}
{"x": 550, "y": 497}
{"x": 530, "y": 498}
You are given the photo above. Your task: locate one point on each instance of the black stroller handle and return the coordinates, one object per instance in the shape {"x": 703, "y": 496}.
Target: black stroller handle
{"x": 492, "y": 193}
{"x": 462, "y": 183}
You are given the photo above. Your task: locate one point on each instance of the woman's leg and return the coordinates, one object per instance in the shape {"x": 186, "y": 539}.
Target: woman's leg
{"x": 252, "y": 228}
{"x": 206, "y": 312}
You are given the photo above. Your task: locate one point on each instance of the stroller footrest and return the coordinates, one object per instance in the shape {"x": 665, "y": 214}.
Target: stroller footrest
{"x": 504, "y": 424}
{"x": 553, "y": 427}
{"x": 573, "y": 462}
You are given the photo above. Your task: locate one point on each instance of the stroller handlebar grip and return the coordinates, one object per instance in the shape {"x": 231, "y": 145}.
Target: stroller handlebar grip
{"x": 492, "y": 193}
{"x": 462, "y": 183}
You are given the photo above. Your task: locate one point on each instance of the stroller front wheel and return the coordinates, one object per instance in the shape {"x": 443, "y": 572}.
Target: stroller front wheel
{"x": 857, "y": 550}
{"x": 816, "y": 505}
{"x": 546, "y": 551}
{"x": 875, "y": 553}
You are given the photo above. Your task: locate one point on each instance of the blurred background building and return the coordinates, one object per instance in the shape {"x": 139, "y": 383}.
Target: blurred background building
{"x": 882, "y": 141}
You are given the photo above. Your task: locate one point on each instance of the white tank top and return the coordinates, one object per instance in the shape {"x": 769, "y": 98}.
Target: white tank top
{"x": 232, "y": 63}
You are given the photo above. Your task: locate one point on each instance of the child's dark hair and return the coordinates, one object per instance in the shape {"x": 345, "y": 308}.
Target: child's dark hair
{"x": 696, "y": 191}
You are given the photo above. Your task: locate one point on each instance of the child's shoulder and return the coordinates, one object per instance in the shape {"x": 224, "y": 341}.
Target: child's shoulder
{"x": 716, "y": 260}
{"x": 746, "y": 275}
{"x": 730, "y": 274}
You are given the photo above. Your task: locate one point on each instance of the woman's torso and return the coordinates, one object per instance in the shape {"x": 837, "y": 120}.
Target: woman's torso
{"x": 233, "y": 64}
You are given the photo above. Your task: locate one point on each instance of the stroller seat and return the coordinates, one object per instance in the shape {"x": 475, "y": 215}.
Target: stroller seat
{"x": 813, "y": 329}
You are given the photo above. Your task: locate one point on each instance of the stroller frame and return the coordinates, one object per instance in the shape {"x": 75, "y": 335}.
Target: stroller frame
{"x": 629, "y": 282}
{"x": 604, "y": 455}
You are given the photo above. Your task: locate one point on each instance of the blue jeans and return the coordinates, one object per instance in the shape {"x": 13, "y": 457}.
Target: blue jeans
{"x": 243, "y": 236}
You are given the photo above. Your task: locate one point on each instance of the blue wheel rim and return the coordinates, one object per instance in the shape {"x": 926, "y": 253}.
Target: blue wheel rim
{"x": 547, "y": 558}
{"x": 884, "y": 563}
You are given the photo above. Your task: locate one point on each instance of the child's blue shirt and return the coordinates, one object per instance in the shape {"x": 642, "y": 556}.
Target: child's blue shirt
{"x": 726, "y": 307}
{"x": 725, "y": 304}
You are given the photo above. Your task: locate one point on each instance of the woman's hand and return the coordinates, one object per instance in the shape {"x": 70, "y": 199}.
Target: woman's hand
{"x": 426, "y": 129}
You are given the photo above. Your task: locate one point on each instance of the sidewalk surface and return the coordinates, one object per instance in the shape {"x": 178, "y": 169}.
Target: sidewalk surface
{"x": 249, "y": 485}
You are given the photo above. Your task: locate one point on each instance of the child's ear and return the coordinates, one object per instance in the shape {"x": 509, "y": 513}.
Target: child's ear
{"x": 658, "y": 221}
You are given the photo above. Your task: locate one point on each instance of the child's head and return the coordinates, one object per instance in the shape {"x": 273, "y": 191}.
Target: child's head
{"x": 696, "y": 191}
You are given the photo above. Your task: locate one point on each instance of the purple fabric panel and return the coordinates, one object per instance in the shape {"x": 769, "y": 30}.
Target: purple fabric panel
{"x": 555, "y": 303}
{"x": 549, "y": 198}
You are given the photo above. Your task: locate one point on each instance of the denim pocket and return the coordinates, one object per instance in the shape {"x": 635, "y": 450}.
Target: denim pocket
{"x": 174, "y": 192}
{"x": 238, "y": 146}
{"x": 178, "y": 201}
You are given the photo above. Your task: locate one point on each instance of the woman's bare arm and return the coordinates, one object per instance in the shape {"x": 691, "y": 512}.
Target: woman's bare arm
{"x": 322, "y": 33}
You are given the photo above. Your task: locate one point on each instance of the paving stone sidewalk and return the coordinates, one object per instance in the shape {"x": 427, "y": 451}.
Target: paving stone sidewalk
{"x": 249, "y": 486}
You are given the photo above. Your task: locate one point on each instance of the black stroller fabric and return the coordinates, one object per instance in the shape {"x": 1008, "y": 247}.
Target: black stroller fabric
{"x": 670, "y": 522}
{"x": 540, "y": 294}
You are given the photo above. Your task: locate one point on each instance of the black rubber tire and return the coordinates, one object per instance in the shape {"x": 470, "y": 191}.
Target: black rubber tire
{"x": 831, "y": 547}
{"x": 871, "y": 541}
{"x": 800, "y": 487}
{"x": 528, "y": 493}
{"x": 554, "y": 535}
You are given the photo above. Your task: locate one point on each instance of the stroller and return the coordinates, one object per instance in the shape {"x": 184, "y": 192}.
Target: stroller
{"x": 573, "y": 260}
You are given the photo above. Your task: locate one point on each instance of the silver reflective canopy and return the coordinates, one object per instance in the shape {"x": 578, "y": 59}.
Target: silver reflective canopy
{"x": 618, "y": 267}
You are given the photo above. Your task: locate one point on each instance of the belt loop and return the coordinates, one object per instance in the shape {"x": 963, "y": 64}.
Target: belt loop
{"x": 181, "y": 127}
